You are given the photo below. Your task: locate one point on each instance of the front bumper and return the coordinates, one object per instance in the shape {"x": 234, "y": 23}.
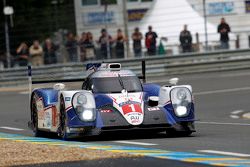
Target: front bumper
{"x": 94, "y": 131}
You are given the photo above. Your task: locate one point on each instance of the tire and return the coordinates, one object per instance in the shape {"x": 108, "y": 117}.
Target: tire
{"x": 173, "y": 133}
{"x": 62, "y": 127}
{"x": 34, "y": 119}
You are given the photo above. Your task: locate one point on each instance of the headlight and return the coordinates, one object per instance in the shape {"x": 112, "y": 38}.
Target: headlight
{"x": 84, "y": 105}
{"x": 181, "y": 98}
{"x": 181, "y": 111}
{"x": 88, "y": 115}
{"x": 181, "y": 94}
{"x": 81, "y": 99}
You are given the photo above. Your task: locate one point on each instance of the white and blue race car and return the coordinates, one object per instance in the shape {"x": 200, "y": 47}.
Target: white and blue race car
{"x": 111, "y": 99}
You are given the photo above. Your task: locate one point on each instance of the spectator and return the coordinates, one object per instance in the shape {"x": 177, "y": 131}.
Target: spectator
{"x": 49, "y": 52}
{"x": 119, "y": 47}
{"x": 87, "y": 47}
{"x": 186, "y": 40}
{"x": 90, "y": 47}
{"x": 150, "y": 40}
{"x": 104, "y": 40}
{"x": 137, "y": 37}
{"x": 71, "y": 46}
{"x": 36, "y": 54}
{"x": 82, "y": 46}
{"x": 224, "y": 29}
{"x": 22, "y": 54}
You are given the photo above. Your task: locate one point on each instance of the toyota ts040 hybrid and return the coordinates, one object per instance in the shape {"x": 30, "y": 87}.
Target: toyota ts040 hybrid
{"x": 111, "y": 99}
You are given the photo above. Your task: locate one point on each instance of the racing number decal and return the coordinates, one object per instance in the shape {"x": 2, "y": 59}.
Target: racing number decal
{"x": 132, "y": 106}
{"x": 128, "y": 108}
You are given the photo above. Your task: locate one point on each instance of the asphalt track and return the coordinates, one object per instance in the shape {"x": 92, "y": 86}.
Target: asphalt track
{"x": 222, "y": 99}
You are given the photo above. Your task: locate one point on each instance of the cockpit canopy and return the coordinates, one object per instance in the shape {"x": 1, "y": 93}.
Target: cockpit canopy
{"x": 116, "y": 84}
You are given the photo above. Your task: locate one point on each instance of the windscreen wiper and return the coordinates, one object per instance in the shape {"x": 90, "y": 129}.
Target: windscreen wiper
{"x": 121, "y": 82}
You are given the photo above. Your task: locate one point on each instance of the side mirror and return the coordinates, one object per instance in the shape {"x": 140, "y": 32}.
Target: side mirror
{"x": 173, "y": 81}
{"x": 153, "y": 101}
{"x": 59, "y": 86}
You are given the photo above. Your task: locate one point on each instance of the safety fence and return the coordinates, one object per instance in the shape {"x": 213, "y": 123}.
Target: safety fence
{"x": 156, "y": 67}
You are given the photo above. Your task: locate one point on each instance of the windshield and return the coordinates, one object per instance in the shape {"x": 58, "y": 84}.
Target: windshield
{"x": 114, "y": 85}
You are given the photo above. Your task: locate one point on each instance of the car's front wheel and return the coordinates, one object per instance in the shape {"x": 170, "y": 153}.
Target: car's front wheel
{"x": 34, "y": 118}
{"x": 62, "y": 131}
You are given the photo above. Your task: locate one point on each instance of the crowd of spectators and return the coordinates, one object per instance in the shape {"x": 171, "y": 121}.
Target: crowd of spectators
{"x": 85, "y": 48}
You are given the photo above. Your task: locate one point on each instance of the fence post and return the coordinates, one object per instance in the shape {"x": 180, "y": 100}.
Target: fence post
{"x": 197, "y": 41}
{"x": 143, "y": 63}
{"x": 249, "y": 41}
{"x": 237, "y": 42}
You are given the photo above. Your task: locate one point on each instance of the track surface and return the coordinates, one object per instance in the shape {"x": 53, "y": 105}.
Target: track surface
{"x": 221, "y": 100}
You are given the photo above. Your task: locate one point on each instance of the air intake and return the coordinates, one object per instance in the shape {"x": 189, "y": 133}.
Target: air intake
{"x": 114, "y": 66}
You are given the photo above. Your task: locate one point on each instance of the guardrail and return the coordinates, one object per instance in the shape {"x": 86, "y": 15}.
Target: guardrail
{"x": 156, "y": 66}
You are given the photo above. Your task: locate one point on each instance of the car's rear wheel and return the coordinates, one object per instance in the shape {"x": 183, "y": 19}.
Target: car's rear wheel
{"x": 62, "y": 132}
{"x": 34, "y": 118}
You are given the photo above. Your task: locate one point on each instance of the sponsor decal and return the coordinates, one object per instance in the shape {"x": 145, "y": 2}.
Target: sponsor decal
{"x": 67, "y": 98}
{"x": 135, "y": 118}
{"x": 47, "y": 121}
{"x": 136, "y": 14}
{"x": 219, "y": 8}
{"x": 130, "y": 106}
{"x": 128, "y": 102}
{"x": 97, "y": 18}
{"x": 106, "y": 111}
{"x": 153, "y": 109}
{"x": 39, "y": 105}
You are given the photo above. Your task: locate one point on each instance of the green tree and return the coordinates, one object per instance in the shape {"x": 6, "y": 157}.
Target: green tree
{"x": 37, "y": 19}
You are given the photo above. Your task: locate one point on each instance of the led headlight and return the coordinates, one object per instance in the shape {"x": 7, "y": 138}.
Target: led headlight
{"x": 88, "y": 115}
{"x": 181, "y": 98}
{"x": 84, "y": 105}
{"x": 181, "y": 111}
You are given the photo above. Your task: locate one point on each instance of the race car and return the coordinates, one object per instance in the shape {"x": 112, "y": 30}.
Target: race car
{"x": 111, "y": 99}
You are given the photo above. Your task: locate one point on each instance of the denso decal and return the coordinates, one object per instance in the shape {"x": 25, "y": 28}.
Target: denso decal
{"x": 153, "y": 109}
{"x": 106, "y": 111}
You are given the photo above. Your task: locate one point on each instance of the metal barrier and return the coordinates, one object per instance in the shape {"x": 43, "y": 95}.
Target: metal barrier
{"x": 156, "y": 66}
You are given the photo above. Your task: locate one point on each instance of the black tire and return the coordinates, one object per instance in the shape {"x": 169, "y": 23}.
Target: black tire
{"x": 62, "y": 127}
{"x": 174, "y": 133}
{"x": 34, "y": 119}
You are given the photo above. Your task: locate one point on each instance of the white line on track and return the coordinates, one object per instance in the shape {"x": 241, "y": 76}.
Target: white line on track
{"x": 223, "y": 123}
{"x": 24, "y": 93}
{"x": 237, "y": 112}
{"x": 222, "y": 91}
{"x": 136, "y": 143}
{"x": 234, "y": 116}
{"x": 11, "y": 128}
{"x": 224, "y": 153}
